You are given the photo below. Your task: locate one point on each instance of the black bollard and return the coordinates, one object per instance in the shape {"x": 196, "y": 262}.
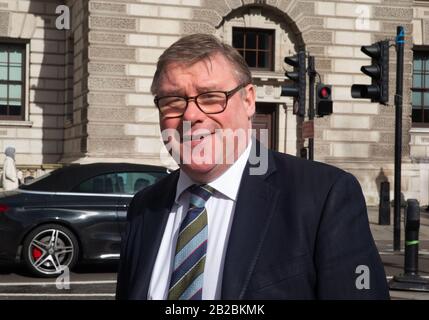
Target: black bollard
{"x": 384, "y": 206}
{"x": 412, "y": 226}
{"x": 303, "y": 153}
{"x": 410, "y": 279}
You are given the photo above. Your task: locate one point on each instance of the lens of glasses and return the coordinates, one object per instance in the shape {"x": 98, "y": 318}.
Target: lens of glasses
{"x": 208, "y": 102}
{"x": 212, "y": 102}
{"x": 172, "y": 106}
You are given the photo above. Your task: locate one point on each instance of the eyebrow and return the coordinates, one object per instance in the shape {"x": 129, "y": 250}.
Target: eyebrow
{"x": 179, "y": 92}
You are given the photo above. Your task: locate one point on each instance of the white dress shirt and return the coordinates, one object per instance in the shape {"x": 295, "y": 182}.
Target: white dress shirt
{"x": 220, "y": 210}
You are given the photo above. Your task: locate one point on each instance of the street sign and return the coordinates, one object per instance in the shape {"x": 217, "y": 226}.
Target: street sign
{"x": 308, "y": 129}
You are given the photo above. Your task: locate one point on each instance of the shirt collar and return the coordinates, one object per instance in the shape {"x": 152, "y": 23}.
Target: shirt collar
{"x": 227, "y": 184}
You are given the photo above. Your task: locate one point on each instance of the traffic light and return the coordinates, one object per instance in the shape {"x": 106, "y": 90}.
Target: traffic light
{"x": 298, "y": 76}
{"x": 323, "y": 99}
{"x": 378, "y": 91}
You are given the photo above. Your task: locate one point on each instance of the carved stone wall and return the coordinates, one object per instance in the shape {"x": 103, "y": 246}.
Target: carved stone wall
{"x": 38, "y": 137}
{"x": 116, "y": 45}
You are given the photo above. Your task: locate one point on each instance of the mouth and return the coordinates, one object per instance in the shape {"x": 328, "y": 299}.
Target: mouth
{"x": 196, "y": 137}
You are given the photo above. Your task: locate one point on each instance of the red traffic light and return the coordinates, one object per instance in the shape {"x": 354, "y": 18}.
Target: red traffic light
{"x": 324, "y": 92}
{"x": 323, "y": 99}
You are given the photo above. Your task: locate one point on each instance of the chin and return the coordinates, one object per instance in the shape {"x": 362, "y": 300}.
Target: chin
{"x": 200, "y": 172}
{"x": 201, "y": 168}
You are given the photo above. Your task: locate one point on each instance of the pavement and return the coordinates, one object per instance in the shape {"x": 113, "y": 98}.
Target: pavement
{"x": 394, "y": 260}
{"x": 99, "y": 282}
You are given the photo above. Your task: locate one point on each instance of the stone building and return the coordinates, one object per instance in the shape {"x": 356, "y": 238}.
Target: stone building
{"x": 81, "y": 93}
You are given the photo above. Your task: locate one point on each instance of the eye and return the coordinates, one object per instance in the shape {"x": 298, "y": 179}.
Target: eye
{"x": 171, "y": 102}
{"x": 211, "y": 97}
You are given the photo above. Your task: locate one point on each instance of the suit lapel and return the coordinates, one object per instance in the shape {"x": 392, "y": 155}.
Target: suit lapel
{"x": 154, "y": 222}
{"x": 255, "y": 206}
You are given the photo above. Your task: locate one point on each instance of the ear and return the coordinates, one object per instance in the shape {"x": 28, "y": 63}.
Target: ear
{"x": 249, "y": 100}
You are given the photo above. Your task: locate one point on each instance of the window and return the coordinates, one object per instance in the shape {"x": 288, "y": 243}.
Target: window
{"x": 136, "y": 181}
{"x": 119, "y": 183}
{"x": 105, "y": 183}
{"x": 12, "y": 75}
{"x": 256, "y": 46}
{"x": 420, "y": 89}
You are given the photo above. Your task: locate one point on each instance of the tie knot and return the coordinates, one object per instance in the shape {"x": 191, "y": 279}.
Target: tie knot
{"x": 200, "y": 194}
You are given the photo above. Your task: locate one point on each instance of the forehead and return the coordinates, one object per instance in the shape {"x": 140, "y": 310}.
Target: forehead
{"x": 213, "y": 68}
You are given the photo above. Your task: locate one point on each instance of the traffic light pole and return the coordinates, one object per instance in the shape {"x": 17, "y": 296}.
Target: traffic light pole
{"x": 312, "y": 76}
{"x": 398, "y": 137}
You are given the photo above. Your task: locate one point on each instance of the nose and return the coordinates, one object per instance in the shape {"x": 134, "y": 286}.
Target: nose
{"x": 192, "y": 112}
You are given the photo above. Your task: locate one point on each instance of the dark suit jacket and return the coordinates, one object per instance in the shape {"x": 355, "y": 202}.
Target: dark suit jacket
{"x": 299, "y": 232}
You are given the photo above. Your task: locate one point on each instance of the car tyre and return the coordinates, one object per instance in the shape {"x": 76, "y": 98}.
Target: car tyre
{"x": 50, "y": 249}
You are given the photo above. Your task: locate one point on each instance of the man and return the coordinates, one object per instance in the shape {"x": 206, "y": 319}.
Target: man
{"x": 214, "y": 230}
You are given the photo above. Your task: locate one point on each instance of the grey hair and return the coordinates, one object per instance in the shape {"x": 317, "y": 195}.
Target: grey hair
{"x": 10, "y": 152}
{"x": 197, "y": 47}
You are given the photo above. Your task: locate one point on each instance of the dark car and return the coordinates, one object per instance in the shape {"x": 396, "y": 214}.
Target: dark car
{"x": 73, "y": 214}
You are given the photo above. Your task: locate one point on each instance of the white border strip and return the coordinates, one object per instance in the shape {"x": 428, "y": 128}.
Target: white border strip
{"x": 391, "y": 277}
{"x": 5, "y": 284}
{"x": 57, "y": 295}
{"x": 391, "y": 252}
{"x": 120, "y": 195}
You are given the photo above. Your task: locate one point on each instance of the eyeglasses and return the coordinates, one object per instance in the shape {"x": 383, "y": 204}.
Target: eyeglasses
{"x": 208, "y": 102}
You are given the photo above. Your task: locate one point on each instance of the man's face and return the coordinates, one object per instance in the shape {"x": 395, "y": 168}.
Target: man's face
{"x": 214, "y": 74}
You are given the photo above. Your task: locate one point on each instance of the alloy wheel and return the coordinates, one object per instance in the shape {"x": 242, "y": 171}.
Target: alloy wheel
{"x": 50, "y": 251}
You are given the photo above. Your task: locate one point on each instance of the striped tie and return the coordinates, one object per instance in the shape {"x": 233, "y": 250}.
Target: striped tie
{"x": 187, "y": 278}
